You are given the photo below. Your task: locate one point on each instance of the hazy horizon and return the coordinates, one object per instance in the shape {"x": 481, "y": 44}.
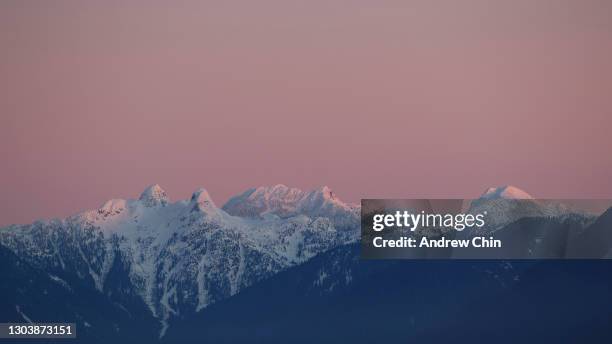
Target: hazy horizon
{"x": 411, "y": 99}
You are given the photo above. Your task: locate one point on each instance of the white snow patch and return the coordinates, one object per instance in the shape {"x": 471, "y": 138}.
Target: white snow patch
{"x": 60, "y": 281}
{"x": 23, "y": 315}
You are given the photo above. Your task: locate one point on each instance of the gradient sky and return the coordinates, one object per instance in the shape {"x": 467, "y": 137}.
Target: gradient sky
{"x": 373, "y": 98}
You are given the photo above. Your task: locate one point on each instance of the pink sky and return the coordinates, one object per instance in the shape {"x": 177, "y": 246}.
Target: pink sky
{"x": 372, "y": 98}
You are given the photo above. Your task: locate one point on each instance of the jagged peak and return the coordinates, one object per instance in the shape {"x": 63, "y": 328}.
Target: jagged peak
{"x": 202, "y": 198}
{"x": 320, "y": 198}
{"x": 153, "y": 196}
{"x": 114, "y": 205}
{"x": 278, "y": 189}
{"x": 279, "y": 199}
{"x": 324, "y": 191}
{"x": 285, "y": 201}
{"x": 505, "y": 192}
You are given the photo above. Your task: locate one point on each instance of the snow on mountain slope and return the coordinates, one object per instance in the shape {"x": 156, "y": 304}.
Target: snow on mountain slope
{"x": 279, "y": 200}
{"x": 153, "y": 196}
{"x": 505, "y": 192}
{"x": 181, "y": 257}
{"x": 282, "y": 201}
{"x": 507, "y": 204}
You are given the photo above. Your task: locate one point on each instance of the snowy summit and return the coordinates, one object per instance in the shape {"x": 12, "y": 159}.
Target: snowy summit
{"x": 505, "y": 192}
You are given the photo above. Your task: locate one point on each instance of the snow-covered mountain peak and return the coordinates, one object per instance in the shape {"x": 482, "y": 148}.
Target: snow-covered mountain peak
{"x": 284, "y": 202}
{"x": 114, "y": 205}
{"x": 279, "y": 199}
{"x": 323, "y": 193}
{"x": 201, "y": 198}
{"x": 505, "y": 192}
{"x": 279, "y": 191}
{"x": 507, "y": 204}
{"x": 154, "y": 196}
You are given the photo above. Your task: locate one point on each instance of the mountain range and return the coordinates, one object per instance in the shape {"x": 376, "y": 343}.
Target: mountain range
{"x": 181, "y": 257}
{"x": 261, "y": 266}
